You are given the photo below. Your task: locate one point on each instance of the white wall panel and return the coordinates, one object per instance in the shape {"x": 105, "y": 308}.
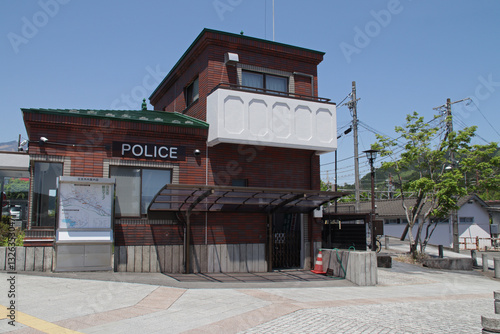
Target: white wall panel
{"x": 241, "y": 117}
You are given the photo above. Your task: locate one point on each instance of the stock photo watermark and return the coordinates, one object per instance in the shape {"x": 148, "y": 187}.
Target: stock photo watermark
{"x": 223, "y": 6}
{"x": 483, "y": 91}
{"x": 364, "y": 36}
{"x": 133, "y": 99}
{"x": 11, "y": 280}
{"x": 30, "y": 27}
{"x": 250, "y": 152}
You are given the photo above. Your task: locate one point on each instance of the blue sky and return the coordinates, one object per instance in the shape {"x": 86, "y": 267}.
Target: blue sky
{"x": 405, "y": 56}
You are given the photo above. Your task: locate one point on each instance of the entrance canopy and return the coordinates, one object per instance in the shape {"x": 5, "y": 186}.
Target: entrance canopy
{"x": 209, "y": 198}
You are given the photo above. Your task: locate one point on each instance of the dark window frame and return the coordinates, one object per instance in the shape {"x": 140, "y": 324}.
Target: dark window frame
{"x": 141, "y": 192}
{"x": 239, "y": 182}
{"x": 264, "y": 81}
{"x": 189, "y": 92}
{"x": 44, "y": 207}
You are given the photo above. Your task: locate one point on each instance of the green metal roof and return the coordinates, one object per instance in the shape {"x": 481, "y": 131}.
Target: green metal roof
{"x": 206, "y": 30}
{"x": 144, "y": 116}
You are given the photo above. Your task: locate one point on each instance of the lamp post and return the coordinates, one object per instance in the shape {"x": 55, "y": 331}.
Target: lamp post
{"x": 372, "y": 155}
{"x": 336, "y": 182}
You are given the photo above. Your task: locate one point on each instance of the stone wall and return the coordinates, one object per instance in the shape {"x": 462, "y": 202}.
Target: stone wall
{"x": 204, "y": 258}
{"x": 26, "y": 258}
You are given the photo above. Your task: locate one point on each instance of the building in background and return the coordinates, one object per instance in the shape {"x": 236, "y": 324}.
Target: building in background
{"x": 473, "y": 221}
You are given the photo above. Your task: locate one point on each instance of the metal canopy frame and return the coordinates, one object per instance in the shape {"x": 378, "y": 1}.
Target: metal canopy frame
{"x": 210, "y": 198}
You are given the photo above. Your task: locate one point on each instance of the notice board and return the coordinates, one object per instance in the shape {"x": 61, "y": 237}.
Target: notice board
{"x": 84, "y": 234}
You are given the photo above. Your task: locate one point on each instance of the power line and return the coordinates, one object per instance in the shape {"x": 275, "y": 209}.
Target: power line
{"x": 340, "y": 104}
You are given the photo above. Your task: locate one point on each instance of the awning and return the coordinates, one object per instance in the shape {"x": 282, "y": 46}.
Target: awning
{"x": 206, "y": 198}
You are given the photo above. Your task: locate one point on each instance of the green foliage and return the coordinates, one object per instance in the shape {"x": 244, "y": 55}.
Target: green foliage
{"x": 6, "y": 234}
{"x": 438, "y": 172}
{"x": 17, "y": 188}
{"x": 325, "y": 186}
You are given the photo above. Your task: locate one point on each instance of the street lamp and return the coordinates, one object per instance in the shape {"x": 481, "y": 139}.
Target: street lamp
{"x": 336, "y": 182}
{"x": 371, "y": 155}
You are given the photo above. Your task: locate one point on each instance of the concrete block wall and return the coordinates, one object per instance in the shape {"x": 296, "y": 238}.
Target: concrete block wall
{"x": 27, "y": 258}
{"x": 360, "y": 266}
{"x": 204, "y": 258}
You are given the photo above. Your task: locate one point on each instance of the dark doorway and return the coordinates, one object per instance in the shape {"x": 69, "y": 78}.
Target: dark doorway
{"x": 345, "y": 230}
{"x": 286, "y": 241}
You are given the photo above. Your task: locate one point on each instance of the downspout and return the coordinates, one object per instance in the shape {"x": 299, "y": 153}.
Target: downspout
{"x": 311, "y": 220}
{"x": 270, "y": 242}
{"x": 309, "y": 76}
{"x": 206, "y": 183}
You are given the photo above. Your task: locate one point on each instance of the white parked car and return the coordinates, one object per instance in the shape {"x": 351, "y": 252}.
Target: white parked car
{"x": 16, "y": 212}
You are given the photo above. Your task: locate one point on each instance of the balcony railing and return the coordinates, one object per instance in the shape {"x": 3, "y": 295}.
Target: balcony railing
{"x": 228, "y": 85}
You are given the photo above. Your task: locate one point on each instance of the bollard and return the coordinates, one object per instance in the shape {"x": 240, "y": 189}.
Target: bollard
{"x": 441, "y": 253}
{"x": 491, "y": 324}
{"x": 473, "y": 254}
{"x": 386, "y": 242}
{"x": 496, "y": 295}
{"x": 485, "y": 262}
{"x": 496, "y": 262}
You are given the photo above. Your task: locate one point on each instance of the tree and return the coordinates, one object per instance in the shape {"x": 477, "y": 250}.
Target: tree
{"x": 17, "y": 188}
{"x": 435, "y": 171}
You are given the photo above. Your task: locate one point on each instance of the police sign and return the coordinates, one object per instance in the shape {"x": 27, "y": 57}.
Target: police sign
{"x": 148, "y": 151}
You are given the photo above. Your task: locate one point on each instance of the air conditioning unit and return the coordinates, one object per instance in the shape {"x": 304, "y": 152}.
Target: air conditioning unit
{"x": 494, "y": 229}
{"x": 231, "y": 58}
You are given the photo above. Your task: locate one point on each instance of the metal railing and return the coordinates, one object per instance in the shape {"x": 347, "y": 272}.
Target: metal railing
{"x": 477, "y": 243}
{"x": 228, "y": 85}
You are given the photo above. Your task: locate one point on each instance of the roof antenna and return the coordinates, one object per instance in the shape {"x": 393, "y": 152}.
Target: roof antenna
{"x": 273, "y": 22}
{"x": 144, "y": 105}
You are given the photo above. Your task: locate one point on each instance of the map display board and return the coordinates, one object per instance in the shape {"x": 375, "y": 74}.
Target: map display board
{"x": 85, "y": 203}
{"x": 84, "y": 235}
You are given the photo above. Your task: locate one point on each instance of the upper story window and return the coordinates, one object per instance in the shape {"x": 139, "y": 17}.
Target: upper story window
{"x": 191, "y": 92}
{"x": 265, "y": 81}
{"x": 466, "y": 220}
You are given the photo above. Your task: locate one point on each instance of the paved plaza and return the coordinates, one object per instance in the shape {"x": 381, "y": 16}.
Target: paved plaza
{"x": 407, "y": 299}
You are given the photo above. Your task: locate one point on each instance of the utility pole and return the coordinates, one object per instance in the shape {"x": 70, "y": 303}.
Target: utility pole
{"x": 449, "y": 129}
{"x": 453, "y": 215}
{"x": 353, "y": 108}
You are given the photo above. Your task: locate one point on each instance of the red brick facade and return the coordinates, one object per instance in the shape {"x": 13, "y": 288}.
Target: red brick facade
{"x": 88, "y": 141}
{"x": 205, "y": 60}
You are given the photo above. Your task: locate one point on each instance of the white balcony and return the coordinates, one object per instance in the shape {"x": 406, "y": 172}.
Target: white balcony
{"x": 253, "y": 118}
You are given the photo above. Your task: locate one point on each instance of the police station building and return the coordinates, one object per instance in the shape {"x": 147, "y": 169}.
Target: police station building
{"x": 222, "y": 176}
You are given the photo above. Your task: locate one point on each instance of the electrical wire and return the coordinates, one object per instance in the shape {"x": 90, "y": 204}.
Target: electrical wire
{"x": 487, "y": 121}
{"x": 341, "y": 102}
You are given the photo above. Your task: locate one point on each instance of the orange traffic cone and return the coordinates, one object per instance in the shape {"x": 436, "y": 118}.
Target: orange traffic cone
{"x": 318, "y": 266}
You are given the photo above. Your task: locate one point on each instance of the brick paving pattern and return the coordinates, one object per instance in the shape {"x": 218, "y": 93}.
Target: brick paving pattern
{"x": 436, "y": 317}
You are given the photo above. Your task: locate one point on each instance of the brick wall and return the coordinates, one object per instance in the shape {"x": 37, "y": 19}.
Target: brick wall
{"x": 219, "y": 228}
{"x": 135, "y": 235}
{"x": 93, "y": 141}
{"x": 271, "y": 167}
{"x": 206, "y": 60}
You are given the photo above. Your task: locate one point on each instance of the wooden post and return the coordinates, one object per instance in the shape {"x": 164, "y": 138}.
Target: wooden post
{"x": 187, "y": 245}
